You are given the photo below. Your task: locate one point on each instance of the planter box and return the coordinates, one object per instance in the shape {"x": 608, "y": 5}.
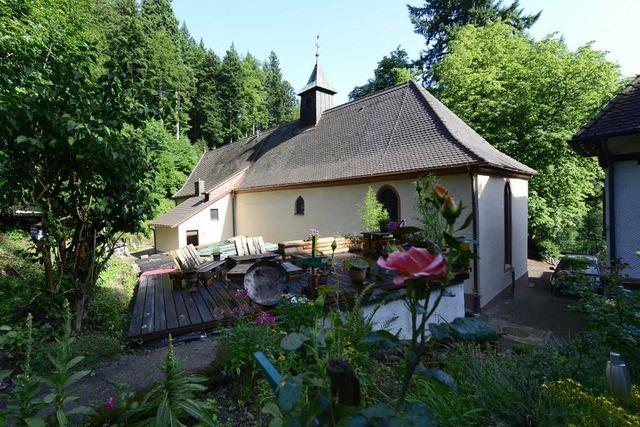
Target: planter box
{"x": 450, "y": 307}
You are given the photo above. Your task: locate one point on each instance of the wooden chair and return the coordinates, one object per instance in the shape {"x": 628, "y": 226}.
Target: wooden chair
{"x": 192, "y": 267}
{"x": 250, "y": 250}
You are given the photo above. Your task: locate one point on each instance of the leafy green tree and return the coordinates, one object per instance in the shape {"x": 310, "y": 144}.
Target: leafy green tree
{"x": 70, "y": 140}
{"x": 279, "y": 95}
{"x": 528, "y": 98}
{"x": 174, "y": 159}
{"x": 438, "y": 20}
{"x": 393, "y": 69}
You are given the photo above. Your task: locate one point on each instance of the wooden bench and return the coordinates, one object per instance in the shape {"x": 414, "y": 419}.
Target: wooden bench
{"x": 192, "y": 267}
{"x": 293, "y": 248}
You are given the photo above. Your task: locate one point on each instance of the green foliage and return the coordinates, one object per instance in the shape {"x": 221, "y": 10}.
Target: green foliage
{"x": 63, "y": 374}
{"x": 450, "y": 408}
{"x": 172, "y": 399}
{"x": 566, "y": 402}
{"x": 394, "y": 69}
{"x": 355, "y": 263}
{"x": 438, "y": 20}
{"x": 433, "y": 224}
{"x": 297, "y": 314}
{"x": 108, "y": 309}
{"x": 24, "y": 401}
{"x": 612, "y": 318}
{"x": 528, "y": 98}
{"x": 371, "y": 211}
{"x": 237, "y": 347}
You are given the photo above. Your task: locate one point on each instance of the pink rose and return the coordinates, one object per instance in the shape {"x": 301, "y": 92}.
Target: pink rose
{"x": 110, "y": 403}
{"x": 413, "y": 264}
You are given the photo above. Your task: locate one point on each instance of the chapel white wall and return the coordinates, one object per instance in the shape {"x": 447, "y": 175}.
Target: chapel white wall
{"x": 492, "y": 273}
{"x": 332, "y": 210}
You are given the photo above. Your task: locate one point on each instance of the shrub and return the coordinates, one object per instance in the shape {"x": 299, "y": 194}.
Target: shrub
{"x": 504, "y": 386}
{"x": 451, "y": 408}
{"x": 566, "y": 402}
{"x": 298, "y": 313}
{"x": 238, "y": 345}
{"x": 371, "y": 211}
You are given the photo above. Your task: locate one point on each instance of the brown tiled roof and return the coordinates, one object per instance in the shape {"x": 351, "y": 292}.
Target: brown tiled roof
{"x": 619, "y": 117}
{"x": 398, "y": 130}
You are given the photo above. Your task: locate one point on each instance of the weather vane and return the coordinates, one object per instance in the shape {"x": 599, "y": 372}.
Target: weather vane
{"x": 317, "y": 46}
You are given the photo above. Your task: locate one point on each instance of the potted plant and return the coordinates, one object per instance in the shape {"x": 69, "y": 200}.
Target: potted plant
{"x": 357, "y": 268}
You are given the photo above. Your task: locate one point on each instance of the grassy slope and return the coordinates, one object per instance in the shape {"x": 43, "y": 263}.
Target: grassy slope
{"x": 21, "y": 292}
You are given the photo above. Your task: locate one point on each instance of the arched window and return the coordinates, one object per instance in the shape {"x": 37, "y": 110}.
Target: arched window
{"x": 299, "y": 206}
{"x": 508, "y": 234}
{"x": 389, "y": 198}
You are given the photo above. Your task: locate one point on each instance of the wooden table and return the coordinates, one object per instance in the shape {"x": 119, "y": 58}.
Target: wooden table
{"x": 373, "y": 243}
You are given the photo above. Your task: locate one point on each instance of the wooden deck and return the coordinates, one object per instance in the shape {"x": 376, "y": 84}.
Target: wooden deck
{"x": 159, "y": 311}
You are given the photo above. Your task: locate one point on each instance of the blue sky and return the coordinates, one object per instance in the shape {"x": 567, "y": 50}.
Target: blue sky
{"x": 356, "y": 34}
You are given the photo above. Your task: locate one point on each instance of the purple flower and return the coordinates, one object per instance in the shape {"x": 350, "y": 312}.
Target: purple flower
{"x": 110, "y": 403}
{"x": 236, "y": 311}
{"x": 218, "y": 313}
{"x": 242, "y": 294}
{"x": 265, "y": 319}
{"x": 395, "y": 225}
{"x": 314, "y": 232}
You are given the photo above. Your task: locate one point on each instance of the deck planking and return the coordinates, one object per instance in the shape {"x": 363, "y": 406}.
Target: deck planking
{"x": 159, "y": 310}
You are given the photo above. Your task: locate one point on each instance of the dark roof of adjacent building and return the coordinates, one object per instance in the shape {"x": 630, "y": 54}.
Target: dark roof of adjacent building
{"x": 621, "y": 116}
{"x": 183, "y": 211}
{"x": 398, "y": 130}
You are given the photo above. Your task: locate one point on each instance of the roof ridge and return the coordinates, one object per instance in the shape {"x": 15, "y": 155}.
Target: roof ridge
{"x": 367, "y": 97}
{"x": 607, "y": 107}
{"x": 425, "y": 95}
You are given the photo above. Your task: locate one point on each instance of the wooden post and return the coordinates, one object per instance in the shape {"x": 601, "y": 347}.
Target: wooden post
{"x": 345, "y": 386}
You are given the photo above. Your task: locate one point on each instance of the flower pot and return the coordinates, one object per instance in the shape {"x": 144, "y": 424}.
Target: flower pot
{"x": 357, "y": 276}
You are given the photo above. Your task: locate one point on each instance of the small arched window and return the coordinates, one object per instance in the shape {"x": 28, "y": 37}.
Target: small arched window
{"x": 389, "y": 198}
{"x": 508, "y": 233}
{"x": 299, "y": 206}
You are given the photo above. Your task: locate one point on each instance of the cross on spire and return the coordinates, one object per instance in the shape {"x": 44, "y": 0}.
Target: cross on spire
{"x": 317, "y": 47}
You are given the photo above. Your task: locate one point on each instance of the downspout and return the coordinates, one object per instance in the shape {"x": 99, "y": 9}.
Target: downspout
{"x": 611, "y": 207}
{"x": 233, "y": 212}
{"x": 474, "y": 209}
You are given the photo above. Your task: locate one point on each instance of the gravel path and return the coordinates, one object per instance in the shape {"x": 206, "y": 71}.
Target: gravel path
{"x": 141, "y": 369}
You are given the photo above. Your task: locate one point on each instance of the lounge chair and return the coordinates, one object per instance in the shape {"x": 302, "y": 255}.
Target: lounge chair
{"x": 192, "y": 267}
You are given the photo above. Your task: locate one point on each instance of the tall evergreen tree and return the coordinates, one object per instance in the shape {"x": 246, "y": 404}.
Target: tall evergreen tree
{"x": 230, "y": 80}
{"x": 206, "y": 120}
{"x": 438, "y": 20}
{"x": 159, "y": 16}
{"x": 169, "y": 73}
{"x": 279, "y": 95}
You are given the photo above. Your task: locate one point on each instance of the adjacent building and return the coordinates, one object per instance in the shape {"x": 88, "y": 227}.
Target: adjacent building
{"x": 613, "y": 136}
